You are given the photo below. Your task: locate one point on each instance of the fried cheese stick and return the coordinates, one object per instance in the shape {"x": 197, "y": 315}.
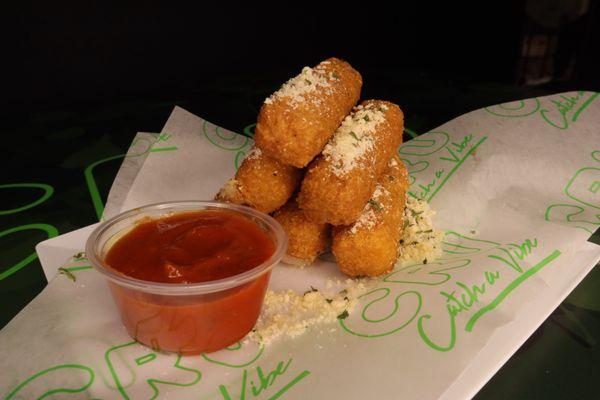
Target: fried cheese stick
{"x": 261, "y": 182}
{"x": 306, "y": 239}
{"x": 370, "y": 245}
{"x": 339, "y": 182}
{"x": 297, "y": 121}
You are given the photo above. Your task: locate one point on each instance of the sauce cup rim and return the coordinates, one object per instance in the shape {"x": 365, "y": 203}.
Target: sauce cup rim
{"x": 93, "y": 248}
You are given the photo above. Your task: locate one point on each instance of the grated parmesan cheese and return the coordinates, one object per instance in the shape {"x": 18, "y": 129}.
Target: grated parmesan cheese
{"x": 420, "y": 241}
{"x": 229, "y": 191}
{"x": 353, "y": 138}
{"x": 372, "y": 210}
{"x": 306, "y": 82}
{"x": 254, "y": 153}
{"x": 288, "y": 313}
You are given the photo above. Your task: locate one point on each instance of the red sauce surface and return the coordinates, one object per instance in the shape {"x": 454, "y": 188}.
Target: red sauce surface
{"x": 191, "y": 247}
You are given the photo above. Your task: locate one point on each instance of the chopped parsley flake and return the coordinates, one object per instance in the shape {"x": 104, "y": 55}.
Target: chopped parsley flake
{"x": 67, "y": 273}
{"x": 312, "y": 289}
{"x": 375, "y": 204}
{"x": 343, "y": 315}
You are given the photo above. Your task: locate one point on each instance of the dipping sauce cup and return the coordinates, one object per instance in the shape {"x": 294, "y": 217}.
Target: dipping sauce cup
{"x": 191, "y": 317}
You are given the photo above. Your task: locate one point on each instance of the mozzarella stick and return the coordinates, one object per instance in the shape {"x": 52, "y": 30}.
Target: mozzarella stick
{"x": 297, "y": 121}
{"x": 370, "y": 245}
{"x": 306, "y": 239}
{"x": 339, "y": 182}
{"x": 261, "y": 182}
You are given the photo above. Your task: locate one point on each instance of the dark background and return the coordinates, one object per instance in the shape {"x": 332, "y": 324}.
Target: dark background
{"x": 81, "y": 79}
{"x": 224, "y": 55}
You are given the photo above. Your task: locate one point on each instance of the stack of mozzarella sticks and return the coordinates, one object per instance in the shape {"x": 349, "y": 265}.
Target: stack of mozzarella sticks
{"x": 328, "y": 171}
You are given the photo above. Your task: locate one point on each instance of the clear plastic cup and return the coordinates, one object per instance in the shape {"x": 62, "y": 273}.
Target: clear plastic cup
{"x": 186, "y": 318}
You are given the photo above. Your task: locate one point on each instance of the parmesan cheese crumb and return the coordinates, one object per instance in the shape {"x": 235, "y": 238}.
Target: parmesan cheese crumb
{"x": 288, "y": 313}
{"x": 307, "y": 81}
{"x": 353, "y": 138}
{"x": 254, "y": 153}
{"x": 420, "y": 241}
{"x": 229, "y": 191}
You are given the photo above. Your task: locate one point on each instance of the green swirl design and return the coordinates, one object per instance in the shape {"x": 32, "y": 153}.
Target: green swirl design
{"x": 425, "y": 145}
{"x": 372, "y": 329}
{"x": 86, "y": 382}
{"x": 48, "y": 190}
{"x": 249, "y": 130}
{"x": 224, "y": 140}
{"x": 239, "y": 158}
{"x": 515, "y": 109}
{"x": 233, "y": 348}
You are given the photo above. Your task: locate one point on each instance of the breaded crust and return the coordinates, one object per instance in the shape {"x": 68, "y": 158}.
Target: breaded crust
{"x": 297, "y": 121}
{"x": 306, "y": 239}
{"x": 261, "y": 182}
{"x": 370, "y": 246}
{"x": 339, "y": 182}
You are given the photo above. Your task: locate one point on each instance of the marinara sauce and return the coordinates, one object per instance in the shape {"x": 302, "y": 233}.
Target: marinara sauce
{"x": 186, "y": 248}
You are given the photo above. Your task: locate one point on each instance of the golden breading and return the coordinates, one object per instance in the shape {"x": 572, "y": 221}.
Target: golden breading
{"x": 339, "y": 182}
{"x": 297, "y": 121}
{"x": 306, "y": 239}
{"x": 370, "y": 245}
{"x": 261, "y": 182}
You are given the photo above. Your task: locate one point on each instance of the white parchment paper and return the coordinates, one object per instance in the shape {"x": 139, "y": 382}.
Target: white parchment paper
{"x": 516, "y": 187}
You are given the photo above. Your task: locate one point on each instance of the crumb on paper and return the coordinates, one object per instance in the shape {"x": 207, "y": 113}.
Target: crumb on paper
{"x": 289, "y": 313}
{"x": 420, "y": 241}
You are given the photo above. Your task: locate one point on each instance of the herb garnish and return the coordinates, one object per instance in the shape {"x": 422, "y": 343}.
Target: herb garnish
{"x": 375, "y": 204}
{"x": 67, "y": 273}
{"x": 354, "y": 135}
{"x": 343, "y": 315}
{"x": 312, "y": 289}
